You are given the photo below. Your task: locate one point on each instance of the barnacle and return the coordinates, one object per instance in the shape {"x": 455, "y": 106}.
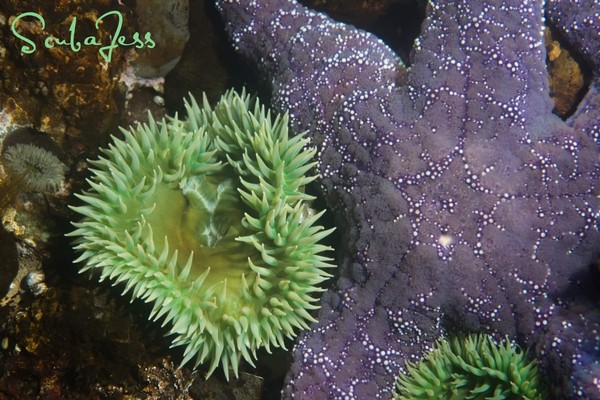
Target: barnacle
{"x": 471, "y": 367}
{"x": 208, "y": 219}
{"x": 34, "y": 168}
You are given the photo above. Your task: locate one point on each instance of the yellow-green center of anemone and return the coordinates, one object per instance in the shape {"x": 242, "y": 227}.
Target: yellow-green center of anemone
{"x": 207, "y": 218}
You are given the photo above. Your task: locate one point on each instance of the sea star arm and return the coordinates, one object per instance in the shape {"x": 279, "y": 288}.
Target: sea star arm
{"x": 314, "y": 62}
{"x": 462, "y": 200}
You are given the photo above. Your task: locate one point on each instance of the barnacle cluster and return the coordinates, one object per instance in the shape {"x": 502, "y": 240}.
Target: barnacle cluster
{"x": 207, "y": 218}
{"x": 472, "y": 367}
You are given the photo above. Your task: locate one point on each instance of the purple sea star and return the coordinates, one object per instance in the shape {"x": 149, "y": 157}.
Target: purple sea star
{"x": 463, "y": 202}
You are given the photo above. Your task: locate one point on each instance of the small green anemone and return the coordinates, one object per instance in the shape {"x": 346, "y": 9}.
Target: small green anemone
{"x": 208, "y": 219}
{"x": 36, "y": 169}
{"x": 472, "y": 367}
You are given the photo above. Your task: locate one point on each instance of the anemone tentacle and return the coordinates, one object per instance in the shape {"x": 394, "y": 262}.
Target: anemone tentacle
{"x": 208, "y": 219}
{"x": 472, "y": 367}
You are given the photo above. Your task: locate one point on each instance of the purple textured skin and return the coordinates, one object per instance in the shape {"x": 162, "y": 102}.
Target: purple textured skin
{"x": 463, "y": 202}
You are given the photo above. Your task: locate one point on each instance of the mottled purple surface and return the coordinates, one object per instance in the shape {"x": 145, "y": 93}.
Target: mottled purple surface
{"x": 463, "y": 202}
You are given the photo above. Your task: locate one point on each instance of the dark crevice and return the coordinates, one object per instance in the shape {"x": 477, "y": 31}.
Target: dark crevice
{"x": 327, "y": 220}
{"x": 568, "y": 73}
{"x": 209, "y": 64}
{"x": 396, "y": 22}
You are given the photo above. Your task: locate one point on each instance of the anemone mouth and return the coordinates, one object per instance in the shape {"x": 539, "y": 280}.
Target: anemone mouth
{"x": 207, "y": 218}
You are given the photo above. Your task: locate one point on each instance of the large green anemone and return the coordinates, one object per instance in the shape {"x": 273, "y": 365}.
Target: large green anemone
{"x": 208, "y": 219}
{"x": 472, "y": 367}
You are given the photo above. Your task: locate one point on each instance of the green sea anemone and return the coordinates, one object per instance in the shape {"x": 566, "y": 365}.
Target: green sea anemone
{"x": 472, "y": 367}
{"x": 37, "y": 169}
{"x": 208, "y": 219}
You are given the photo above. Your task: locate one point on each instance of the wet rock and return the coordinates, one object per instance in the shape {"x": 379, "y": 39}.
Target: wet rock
{"x": 168, "y": 23}
{"x": 56, "y": 89}
{"x": 83, "y": 342}
{"x": 247, "y": 387}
